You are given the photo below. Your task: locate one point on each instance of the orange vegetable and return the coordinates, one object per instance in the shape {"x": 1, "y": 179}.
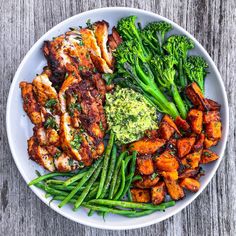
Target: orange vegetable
{"x": 174, "y": 189}
{"x": 210, "y": 142}
{"x": 182, "y": 124}
{"x": 190, "y": 184}
{"x": 195, "y": 119}
{"x": 167, "y": 162}
{"x": 145, "y": 165}
{"x": 165, "y": 130}
{"x": 170, "y": 122}
{"x": 192, "y": 160}
{"x": 184, "y": 146}
{"x": 211, "y": 116}
{"x": 140, "y": 195}
{"x": 199, "y": 143}
{"x": 147, "y": 181}
{"x": 213, "y": 130}
{"x": 147, "y": 146}
{"x": 158, "y": 193}
{"x": 189, "y": 173}
{"x": 208, "y": 156}
{"x": 170, "y": 175}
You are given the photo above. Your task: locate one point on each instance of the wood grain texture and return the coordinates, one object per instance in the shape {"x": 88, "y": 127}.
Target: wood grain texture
{"x": 213, "y": 25}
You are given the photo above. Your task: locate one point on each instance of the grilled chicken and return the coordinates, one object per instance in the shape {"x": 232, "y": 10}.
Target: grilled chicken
{"x": 30, "y": 105}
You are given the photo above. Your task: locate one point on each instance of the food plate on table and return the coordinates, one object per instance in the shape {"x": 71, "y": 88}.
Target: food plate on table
{"x": 127, "y": 118}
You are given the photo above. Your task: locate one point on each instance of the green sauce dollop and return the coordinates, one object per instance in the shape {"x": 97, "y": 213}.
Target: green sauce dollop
{"x": 129, "y": 115}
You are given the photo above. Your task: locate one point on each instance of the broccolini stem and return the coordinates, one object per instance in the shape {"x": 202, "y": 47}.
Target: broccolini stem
{"x": 182, "y": 78}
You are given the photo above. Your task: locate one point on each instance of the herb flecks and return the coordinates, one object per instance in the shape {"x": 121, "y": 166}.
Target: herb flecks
{"x": 51, "y": 103}
{"x": 51, "y": 123}
{"x": 76, "y": 142}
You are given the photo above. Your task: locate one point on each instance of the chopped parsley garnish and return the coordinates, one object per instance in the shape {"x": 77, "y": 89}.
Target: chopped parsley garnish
{"x": 81, "y": 164}
{"x": 101, "y": 126}
{"x": 154, "y": 175}
{"x": 50, "y": 103}
{"x": 70, "y": 162}
{"x": 72, "y": 107}
{"x": 57, "y": 155}
{"x": 76, "y": 142}
{"x": 89, "y": 25}
{"x": 66, "y": 75}
{"x": 51, "y": 123}
{"x": 207, "y": 154}
{"x": 80, "y": 67}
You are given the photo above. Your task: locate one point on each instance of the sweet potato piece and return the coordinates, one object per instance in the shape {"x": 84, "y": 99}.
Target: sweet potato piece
{"x": 192, "y": 160}
{"x": 211, "y": 105}
{"x": 195, "y": 95}
{"x": 211, "y": 116}
{"x": 167, "y": 162}
{"x": 208, "y": 156}
{"x": 210, "y": 142}
{"x": 158, "y": 193}
{"x": 213, "y": 130}
{"x": 170, "y": 175}
{"x": 171, "y": 123}
{"x": 147, "y": 182}
{"x": 184, "y": 146}
{"x": 140, "y": 195}
{"x": 189, "y": 173}
{"x": 199, "y": 143}
{"x": 190, "y": 184}
{"x": 145, "y": 165}
{"x": 182, "y": 124}
{"x": 165, "y": 130}
{"x": 174, "y": 189}
{"x": 195, "y": 120}
{"x": 147, "y": 146}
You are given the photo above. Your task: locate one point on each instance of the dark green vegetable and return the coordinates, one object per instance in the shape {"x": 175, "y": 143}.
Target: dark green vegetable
{"x": 195, "y": 70}
{"x": 153, "y": 35}
{"x": 87, "y": 188}
{"x": 125, "y": 204}
{"x": 51, "y": 123}
{"x": 81, "y": 183}
{"x": 132, "y": 170}
{"x": 178, "y": 46}
{"x": 76, "y": 177}
{"x": 119, "y": 194}
{"x": 115, "y": 176}
{"x": 47, "y": 176}
{"x": 105, "y": 163}
{"x": 110, "y": 171}
{"x": 163, "y": 69}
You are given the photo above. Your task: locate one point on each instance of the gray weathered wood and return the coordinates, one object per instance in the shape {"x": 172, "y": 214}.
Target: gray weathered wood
{"x": 211, "y": 22}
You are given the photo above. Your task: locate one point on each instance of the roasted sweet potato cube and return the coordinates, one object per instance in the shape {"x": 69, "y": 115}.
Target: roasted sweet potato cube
{"x": 184, "y": 146}
{"x": 140, "y": 195}
{"x": 170, "y": 122}
{"x": 192, "y": 160}
{"x": 147, "y": 181}
{"x": 195, "y": 120}
{"x": 147, "y": 146}
{"x": 210, "y": 142}
{"x": 189, "y": 173}
{"x": 190, "y": 184}
{"x": 199, "y": 143}
{"x": 167, "y": 162}
{"x": 158, "y": 193}
{"x": 208, "y": 156}
{"x": 145, "y": 165}
{"x": 211, "y": 105}
{"x": 195, "y": 95}
{"x": 170, "y": 175}
{"x": 182, "y": 124}
{"x": 213, "y": 130}
{"x": 165, "y": 130}
{"x": 209, "y": 116}
{"x": 175, "y": 191}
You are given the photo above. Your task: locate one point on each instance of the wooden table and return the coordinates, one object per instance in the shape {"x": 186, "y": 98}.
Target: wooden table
{"x": 212, "y": 23}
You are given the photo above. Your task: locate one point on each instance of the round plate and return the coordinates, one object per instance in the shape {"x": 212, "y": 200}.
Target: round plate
{"x": 19, "y": 127}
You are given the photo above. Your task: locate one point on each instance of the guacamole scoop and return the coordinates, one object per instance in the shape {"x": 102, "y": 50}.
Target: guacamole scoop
{"x": 129, "y": 115}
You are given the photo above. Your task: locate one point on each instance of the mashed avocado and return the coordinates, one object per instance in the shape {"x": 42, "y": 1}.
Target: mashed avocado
{"x": 129, "y": 115}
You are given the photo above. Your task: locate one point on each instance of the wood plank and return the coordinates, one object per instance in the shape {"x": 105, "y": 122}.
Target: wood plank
{"x": 211, "y": 22}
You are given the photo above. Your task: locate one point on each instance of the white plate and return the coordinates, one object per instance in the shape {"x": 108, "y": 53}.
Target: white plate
{"x": 19, "y": 128}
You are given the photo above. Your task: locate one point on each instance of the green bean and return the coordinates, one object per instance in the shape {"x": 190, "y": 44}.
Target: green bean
{"x": 76, "y": 177}
{"x": 115, "y": 176}
{"x": 92, "y": 194}
{"x": 119, "y": 194}
{"x": 135, "y": 178}
{"x": 47, "y": 176}
{"x": 55, "y": 181}
{"x": 87, "y": 188}
{"x": 50, "y": 190}
{"x": 81, "y": 183}
{"x": 127, "y": 159}
{"x": 61, "y": 198}
{"x": 129, "y": 196}
{"x": 105, "y": 163}
{"x": 107, "y": 209}
{"x": 132, "y": 170}
{"x": 61, "y": 187}
{"x": 125, "y": 204}
{"x": 110, "y": 171}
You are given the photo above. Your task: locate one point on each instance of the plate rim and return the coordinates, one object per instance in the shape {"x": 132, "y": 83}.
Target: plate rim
{"x": 97, "y": 224}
